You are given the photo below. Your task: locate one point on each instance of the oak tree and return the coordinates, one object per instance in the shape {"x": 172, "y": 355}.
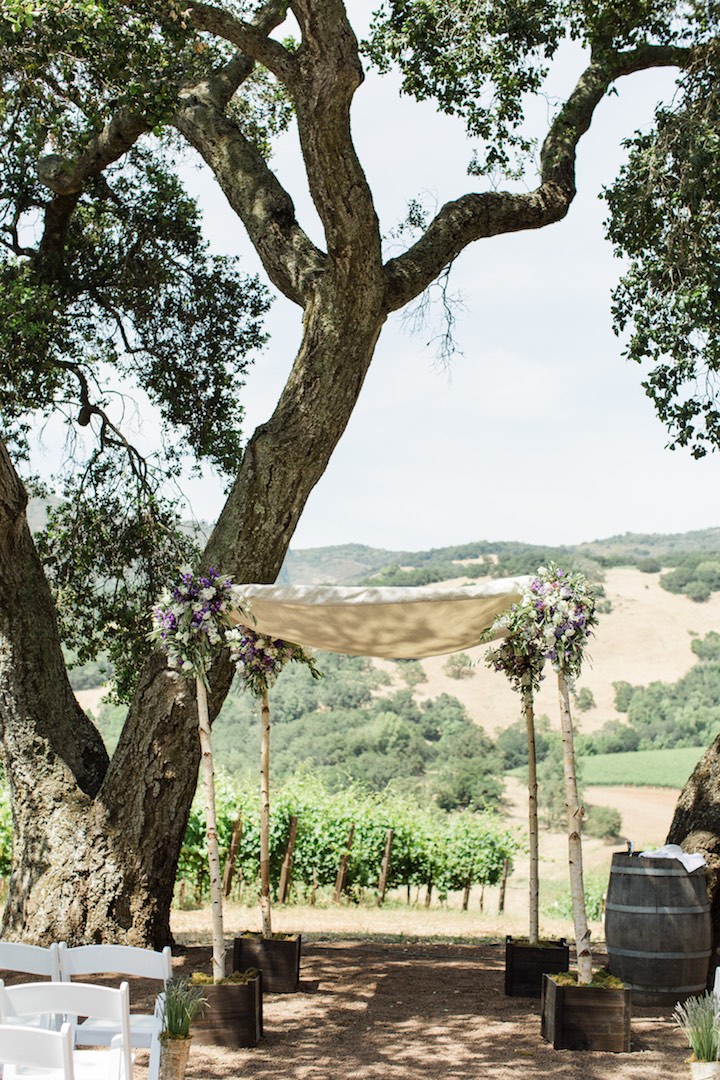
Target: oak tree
{"x": 105, "y": 279}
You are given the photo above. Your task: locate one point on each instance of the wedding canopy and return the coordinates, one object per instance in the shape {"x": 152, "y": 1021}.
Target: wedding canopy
{"x": 396, "y": 623}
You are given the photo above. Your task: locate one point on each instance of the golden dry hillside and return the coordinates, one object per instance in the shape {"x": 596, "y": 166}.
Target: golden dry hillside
{"x": 646, "y": 637}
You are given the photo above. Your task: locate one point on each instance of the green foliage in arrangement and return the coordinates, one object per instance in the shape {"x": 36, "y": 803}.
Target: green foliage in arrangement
{"x": 643, "y": 768}
{"x": 429, "y": 846}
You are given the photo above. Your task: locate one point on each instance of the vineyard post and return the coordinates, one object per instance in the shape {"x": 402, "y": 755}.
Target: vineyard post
{"x": 232, "y": 856}
{"x": 385, "y": 866}
{"x": 285, "y": 873}
{"x": 342, "y": 871}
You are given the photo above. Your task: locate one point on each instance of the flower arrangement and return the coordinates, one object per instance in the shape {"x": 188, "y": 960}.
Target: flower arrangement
{"x": 551, "y": 622}
{"x": 564, "y": 612}
{"x": 181, "y": 1003}
{"x": 259, "y": 659}
{"x": 191, "y": 618}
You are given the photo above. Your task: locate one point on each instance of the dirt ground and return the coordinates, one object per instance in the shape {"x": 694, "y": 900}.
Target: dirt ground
{"x": 405, "y": 1011}
{"x": 391, "y": 994}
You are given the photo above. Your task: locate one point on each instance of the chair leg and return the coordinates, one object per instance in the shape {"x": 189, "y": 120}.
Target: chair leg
{"x": 154, "y": 1063}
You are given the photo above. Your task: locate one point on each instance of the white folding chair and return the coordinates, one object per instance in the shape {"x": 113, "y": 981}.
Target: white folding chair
{"x": 36, "y": 1055}
{"x": 33, "y": 959}
{"x": 104, "y": 1003}
{"x": 122, "y": 960}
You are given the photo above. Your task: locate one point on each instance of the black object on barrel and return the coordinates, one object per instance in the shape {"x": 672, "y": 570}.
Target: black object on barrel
{"x": 657, "y": 928}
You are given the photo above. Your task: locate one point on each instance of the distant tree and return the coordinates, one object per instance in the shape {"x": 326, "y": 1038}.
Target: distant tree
{"x": 613, "y": 737}
{"x": 467, "y": 776}
{"x": 708, "y": 647}
{"x": 412, "y": 672}
{"x": 512, "y": 742}
{"x": 623, "y": 694}
{"x": 604, "y": 822}
{"x": 551, "y": 792}
{"x": 584, "y": 699}
{"x": 459, "y": 666}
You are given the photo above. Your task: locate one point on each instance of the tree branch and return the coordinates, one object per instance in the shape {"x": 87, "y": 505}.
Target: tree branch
{"x": 254, "y": 192}
{"x": 251, "y": 38}
{"x": 66, "y": 177}
{"x": 478, "y": 215}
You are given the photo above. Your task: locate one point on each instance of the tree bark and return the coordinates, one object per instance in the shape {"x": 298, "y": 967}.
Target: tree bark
{"x": 696, "y": 827}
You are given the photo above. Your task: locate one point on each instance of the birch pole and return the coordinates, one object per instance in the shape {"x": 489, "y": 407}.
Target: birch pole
{"x": 533, "y": 843}
{"x": 265, "y": 815}
{"x": 208, "y": 773}
{"x": 574, "y": 823}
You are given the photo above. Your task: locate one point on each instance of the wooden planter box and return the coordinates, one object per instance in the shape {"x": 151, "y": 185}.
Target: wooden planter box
{"x": 277, "y": 958}
{"x": 526, "y": 964}
{"x": 233, "y": 1015}
{"x": 585, "y": 1017}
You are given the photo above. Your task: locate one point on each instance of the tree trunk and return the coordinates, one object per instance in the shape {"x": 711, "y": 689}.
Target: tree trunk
{"x": 96, "y": 844}
{"x": 574, "y": 823}
{"x": 696, "y": 826}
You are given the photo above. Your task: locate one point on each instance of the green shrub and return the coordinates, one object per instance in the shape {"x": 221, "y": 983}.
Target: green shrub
{"x": 602, "y": 822}
{"x": 595, "y": 889}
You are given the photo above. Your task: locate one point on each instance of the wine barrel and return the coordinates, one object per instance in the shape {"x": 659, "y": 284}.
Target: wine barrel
{"x": 658, "y": 930}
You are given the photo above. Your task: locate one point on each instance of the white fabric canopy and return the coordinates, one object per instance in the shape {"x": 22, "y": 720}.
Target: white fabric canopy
{"x": 396, "y": 623}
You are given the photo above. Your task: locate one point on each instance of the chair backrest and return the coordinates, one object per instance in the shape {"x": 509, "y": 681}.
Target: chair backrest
{"x": 119, "y": 959}
{"x": 72, "y": 999}
{"x": 38, "y": 1048}
{"x": 33, "y": 959}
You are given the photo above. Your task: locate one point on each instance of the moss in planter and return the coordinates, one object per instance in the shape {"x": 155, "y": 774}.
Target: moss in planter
{"x": 199, "y": 978}
{"x": 542, "y": 943}
{"x": 601, "y": 980}
{"x": 253, "y": 936}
